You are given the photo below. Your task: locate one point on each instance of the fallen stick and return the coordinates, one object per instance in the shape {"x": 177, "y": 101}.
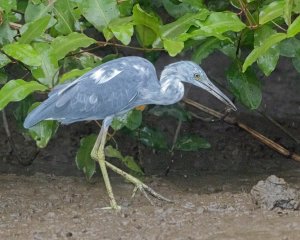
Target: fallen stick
{"x": 260, "y": 137}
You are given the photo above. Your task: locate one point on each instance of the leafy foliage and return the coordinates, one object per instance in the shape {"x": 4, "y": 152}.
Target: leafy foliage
{"x": 83, "y": 158}
{"x": 53, "y": 42}
{"x": 128, "y": 161}
{"x": 191, "y": 143}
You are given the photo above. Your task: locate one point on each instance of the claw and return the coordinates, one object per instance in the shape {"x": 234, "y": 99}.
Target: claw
{"x": 138, "y": 185}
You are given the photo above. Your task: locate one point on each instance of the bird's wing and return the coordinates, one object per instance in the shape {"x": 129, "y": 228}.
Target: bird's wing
{"x": 91, "y": 99}
{"x": 108, "y": 90}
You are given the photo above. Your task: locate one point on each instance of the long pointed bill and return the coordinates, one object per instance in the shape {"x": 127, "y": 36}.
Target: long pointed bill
{"x": 207, "y": 85}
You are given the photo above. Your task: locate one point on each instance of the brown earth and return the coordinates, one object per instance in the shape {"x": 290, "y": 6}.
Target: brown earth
{"x": 206, "y": 207}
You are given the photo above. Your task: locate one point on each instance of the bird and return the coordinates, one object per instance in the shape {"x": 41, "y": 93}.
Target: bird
{"x": 111, "y": 90}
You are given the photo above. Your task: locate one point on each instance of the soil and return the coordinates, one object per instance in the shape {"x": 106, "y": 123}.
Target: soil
{"x": 207, "y": 207}
{"x": 50, "y": 199}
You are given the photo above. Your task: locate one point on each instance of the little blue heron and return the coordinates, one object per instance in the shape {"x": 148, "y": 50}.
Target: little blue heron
{"x": 111, "y": 90}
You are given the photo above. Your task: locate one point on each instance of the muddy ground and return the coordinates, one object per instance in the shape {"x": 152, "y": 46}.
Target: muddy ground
{"x": 50, "y": 199}
{"x": 206, "y": 207}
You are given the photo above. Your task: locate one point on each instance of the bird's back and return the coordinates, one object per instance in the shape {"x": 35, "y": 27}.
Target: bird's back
{"x": 110, "y": 89}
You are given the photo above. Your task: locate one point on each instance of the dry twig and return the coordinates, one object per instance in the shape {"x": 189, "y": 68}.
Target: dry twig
{"x": 260, "y": 137}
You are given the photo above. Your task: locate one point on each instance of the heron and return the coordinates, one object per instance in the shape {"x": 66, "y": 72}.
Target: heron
{"x": 111, "y": 90}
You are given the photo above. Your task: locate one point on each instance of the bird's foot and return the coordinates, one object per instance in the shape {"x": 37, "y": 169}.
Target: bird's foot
{"x": 139, "y": 185}
{"x": 145, "y": 190}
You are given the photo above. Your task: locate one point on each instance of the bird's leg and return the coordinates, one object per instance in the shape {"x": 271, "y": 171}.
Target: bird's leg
{"x": 139, "y": 185}
{"x": 98, "y": 154}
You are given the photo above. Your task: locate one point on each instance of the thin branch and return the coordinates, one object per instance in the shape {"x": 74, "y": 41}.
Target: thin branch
{"x": 277, "y": 25}
{"x": 110, "y": 136}
{"x": 83, "y": 51}
{"x": 15, "y": 26}
{"x": 116, "y": 45}
{"x": 176, "y": 135}
{"x": 261, "y": 138}
{"x": 248, "y": 15}
{"x": 104, "y": 44}
{"x": 173, "y": 146}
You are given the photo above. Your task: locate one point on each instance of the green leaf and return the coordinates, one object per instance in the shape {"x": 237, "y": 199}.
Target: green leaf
{"x": 294, "y": 28}
{"x": 206, "y": 48}
{"x": 6, "y": 33}
{"x": 66, "y": 18}
{"x": 23, "y": 52}
{"x": 147, "y": 26}
{"x": 62, "y": 45}
{"x": 99, "y": 12}
{"x": 36, "y": 11}
{"x": 178, "y": 10}
{"x": 173, "y": 110}
{"x": 83, "y": 158}
{"x": 215, "y": 25}
{"x": 228, "y": 49}
{"x": 75, "y": 73}
{"x": 141, "y": 17}
{"x": 191, "y": 143}
{"x": 217, "y": 5}
{"x": 122, "y": 28}
{"x": 125, "y": 7}
{"x": 287, "y": 11}
{"x": 7, "y": 5}
{"x": 145, "y": 35}
{"x": 3, "y": 76}
{"x": 21, "y": 111}
{"x": 4, "y": 60}
{"x": 218, "y": 23}
{"x": 271, "y": 11}
{"x": 183, "y": 24}
{"x": 128, "y": 161}
{"x": 43, "y": 131}
{"x": 132, "y": 120}
{"x": 17, "y": 90}
{"x": 268, "y": 61}
{"x": 296, "y": 8}
{"x": 173, "y": 47}
{"x": 171, "y": 33}
{"x": 153, "y": 138}
{"x": 245, "y": 86}
{"x": 289, "y": 47}
{"x": 47, "y": 73}
{"x": 34, "y": 29}
{"x": 263, "y": 48}
{"x": 89, "y": 60}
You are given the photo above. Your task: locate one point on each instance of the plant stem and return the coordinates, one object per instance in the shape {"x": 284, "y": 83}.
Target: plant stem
{"x": 104, "y": 44}
{"x": 260, "y": 137}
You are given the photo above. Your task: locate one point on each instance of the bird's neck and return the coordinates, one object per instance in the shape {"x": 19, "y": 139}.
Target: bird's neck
{"x": 172, "y": 89}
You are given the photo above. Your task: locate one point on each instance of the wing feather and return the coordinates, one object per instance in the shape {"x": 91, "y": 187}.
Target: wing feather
{"x": 107, "y": 90}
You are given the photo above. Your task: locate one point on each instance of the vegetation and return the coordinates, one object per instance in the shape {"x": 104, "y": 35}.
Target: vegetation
{"x": 51, "y": 42}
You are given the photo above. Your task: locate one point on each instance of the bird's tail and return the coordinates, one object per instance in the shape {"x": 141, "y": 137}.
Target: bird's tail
{"x": 40, "y": 113}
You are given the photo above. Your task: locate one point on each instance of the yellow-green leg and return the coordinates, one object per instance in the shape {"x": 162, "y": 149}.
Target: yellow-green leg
{"x": 139, "y": 185}
{"x": 98, "y": 155}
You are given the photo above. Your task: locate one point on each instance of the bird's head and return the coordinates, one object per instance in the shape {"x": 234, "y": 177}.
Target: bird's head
{"x": 190, "y": 72}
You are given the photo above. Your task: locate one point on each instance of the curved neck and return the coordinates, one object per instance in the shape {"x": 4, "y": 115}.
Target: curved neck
{"x": 172, "y": 89}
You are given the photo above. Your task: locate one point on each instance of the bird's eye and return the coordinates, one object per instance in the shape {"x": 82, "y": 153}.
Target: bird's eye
{"x": 197, "y": 76}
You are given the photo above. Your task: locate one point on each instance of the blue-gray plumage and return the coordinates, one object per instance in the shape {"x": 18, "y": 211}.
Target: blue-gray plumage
{"x": 118, "y": 86}
{"x": 114, "y": 88}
